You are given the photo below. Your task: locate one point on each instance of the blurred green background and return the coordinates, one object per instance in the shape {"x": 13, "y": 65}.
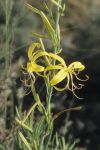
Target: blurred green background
{"x": 80, "y": 40}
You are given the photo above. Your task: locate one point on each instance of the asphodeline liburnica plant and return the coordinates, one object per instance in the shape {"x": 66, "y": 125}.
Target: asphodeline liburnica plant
{"x": 53, "y": 69}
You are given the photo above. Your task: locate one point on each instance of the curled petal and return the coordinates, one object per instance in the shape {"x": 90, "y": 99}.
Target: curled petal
{"x": 56, "y": 57}
{"x": 74, "y": 87}
{"x": 40, "y": 54}
{"x": 76, "y": 66}
{"x": 65, "y": 87}
{"x": 31, "y": 49}
{"x": 33, "y": 67}
{"x": 87, "y": 77}
{"x": 52, "y": 67}
{"x": 60, "y": 76}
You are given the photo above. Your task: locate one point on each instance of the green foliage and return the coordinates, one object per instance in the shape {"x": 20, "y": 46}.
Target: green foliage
{"x": 30, "y": 132}
{"x": 38, "y": 135}
{"x": 40, "y": 139}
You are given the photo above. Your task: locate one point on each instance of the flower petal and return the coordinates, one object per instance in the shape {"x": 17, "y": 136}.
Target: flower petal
{"x": 31, "y": 49}
{"x": 33, "y": 67}
{"x": 60, "y": 76}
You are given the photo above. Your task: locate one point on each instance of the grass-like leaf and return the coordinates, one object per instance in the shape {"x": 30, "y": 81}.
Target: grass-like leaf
{"x": 45, "y": 20}
{"x": 25, "y": 141}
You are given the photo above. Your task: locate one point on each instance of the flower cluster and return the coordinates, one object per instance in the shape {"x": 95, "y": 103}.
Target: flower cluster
{"x": 52, "y": 66}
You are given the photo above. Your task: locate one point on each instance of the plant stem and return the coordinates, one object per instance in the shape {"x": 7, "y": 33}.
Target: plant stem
{"x": 48, "y": 86}
{"x": 57, "y": 29}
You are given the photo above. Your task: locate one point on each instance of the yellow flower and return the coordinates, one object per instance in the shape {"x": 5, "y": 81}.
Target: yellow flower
{"x": 57, "y": 72}
{"x": 32, "y": 67}
{"x": 67, "y": 73}
{"x": 34, "y": 56}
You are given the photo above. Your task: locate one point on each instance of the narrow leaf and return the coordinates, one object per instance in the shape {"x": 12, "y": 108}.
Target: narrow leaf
{"x": 30, "y": 111}
{"x": 24, "y": 125}
{"x": 25, "y": 141}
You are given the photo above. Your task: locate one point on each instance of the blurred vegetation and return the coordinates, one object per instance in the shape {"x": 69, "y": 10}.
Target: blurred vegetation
{"x": 80, "y": 41}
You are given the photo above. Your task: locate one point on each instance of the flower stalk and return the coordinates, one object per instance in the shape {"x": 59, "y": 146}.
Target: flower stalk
{"x": 53, "y": 69}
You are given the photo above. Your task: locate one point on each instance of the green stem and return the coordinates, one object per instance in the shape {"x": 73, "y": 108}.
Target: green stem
{"x": 57, "y": 29}
{"x": 48, "y": 86}
{"x": 48, "y": 99}
{"x": 41, "y": 107}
